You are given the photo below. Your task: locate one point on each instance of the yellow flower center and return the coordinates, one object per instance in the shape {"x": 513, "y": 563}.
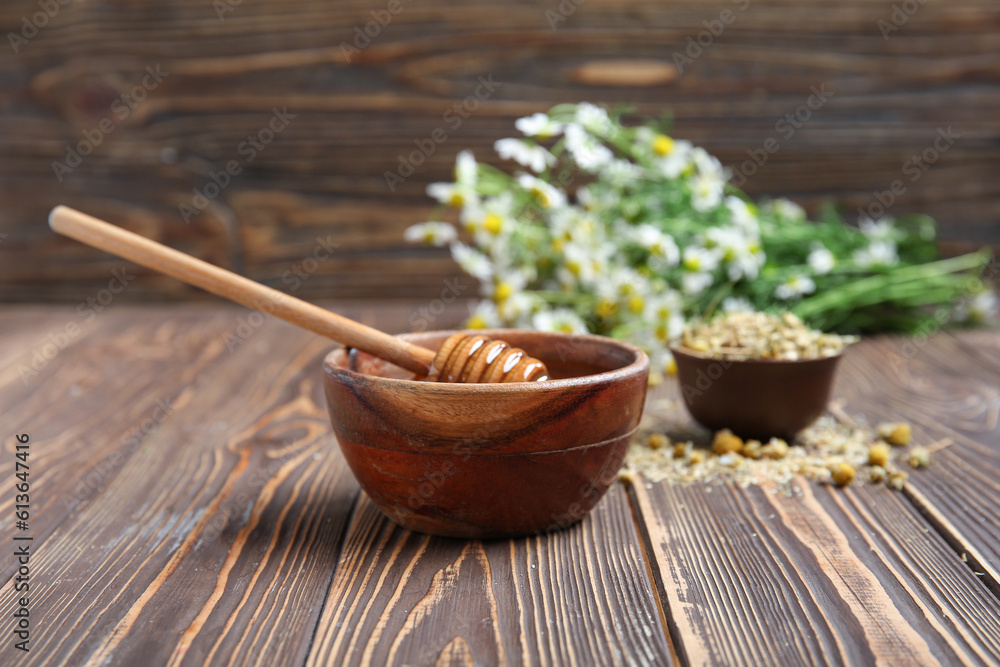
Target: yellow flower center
{"x": 493, "y": 223}
{"x": 502, "y": 292}
{"x": 542, "y": 198}
{"x": 636, "y": 303}
{"x": 456, "y": 200}
{"x": 661, "y": 332}
{"x": 606, "y": 308}
{"x": 475, "y": 322}
{"x": 574, "y": 268}
{"x": 671, "y": 367}
{"x": 663, "y": 145}
{"x": 692, "y": 263}
{"x": 558, "y": 244}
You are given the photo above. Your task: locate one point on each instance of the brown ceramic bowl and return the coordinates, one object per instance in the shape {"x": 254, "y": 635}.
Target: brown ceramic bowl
{"x": 489, "y": 460}
{"x": 756, "y": 398}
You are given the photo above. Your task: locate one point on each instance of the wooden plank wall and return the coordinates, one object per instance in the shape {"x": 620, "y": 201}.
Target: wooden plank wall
{"x": 896, "y": 79}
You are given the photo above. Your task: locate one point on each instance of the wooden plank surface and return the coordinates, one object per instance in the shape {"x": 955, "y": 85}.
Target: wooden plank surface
{"x": 823, "y": 577}
{"x": 93, "y": 404}
{"x": 577, "y": 597}
{"x": 948, "y": 387}
{"x": 231, "y": 532}
{"x": 224, "y": 519}
{"x": 355, "y": 117}
{"x": 828, "y": 576}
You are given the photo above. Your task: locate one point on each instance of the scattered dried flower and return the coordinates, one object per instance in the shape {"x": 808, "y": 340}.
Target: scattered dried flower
{"x": 895, "y": 433}
{"x": 919, "y": 457}
{"x": 842, "y": 474}
{"x": 744, "y": 335}
{"x": 726, "y": 443}
{"x": 776, "y": 448}
{"x": 657, "y": 440}
{"x": 878, "y": 454}
{"x": 752, "y": 449}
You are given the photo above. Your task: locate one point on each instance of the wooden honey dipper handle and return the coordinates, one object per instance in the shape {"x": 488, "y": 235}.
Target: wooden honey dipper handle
{"x": 462, "y": 358}
{"x": 188, "y": 269}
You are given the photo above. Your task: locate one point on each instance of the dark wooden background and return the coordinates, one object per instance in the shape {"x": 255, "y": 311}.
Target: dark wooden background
{"x": 323, "y": 175}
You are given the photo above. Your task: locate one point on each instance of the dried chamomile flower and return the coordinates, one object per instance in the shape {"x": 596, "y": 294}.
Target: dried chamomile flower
{"x": 877, "y": 474}
{"x": 895, "y": 433}
{"x": 681, "y": 450}
{"x": 842, "y": 474}
{"x": 748, "y": 335}
{"x": 919, "y": 457}
{"x": 657, "y": 440}
{"x": 897, "y": 479}
{"x": 878, "y": 454}
{"x": 726, "y": 443}
{"x": 626, "y": 477}
{"x": 776, "y": 448}
{"x": 696, "y": 457}
{"x": 752, "y": 449}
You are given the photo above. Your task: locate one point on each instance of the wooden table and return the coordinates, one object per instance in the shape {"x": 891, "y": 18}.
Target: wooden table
{"x": 188, "y": 505}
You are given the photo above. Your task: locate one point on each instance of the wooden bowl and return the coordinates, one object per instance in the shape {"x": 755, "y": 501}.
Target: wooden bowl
{"x": 489, "y": 460}
{"x": 755, "y": 398}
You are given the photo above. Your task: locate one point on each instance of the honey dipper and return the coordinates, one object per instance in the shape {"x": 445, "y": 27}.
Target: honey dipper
{"x": 463, "y": 357}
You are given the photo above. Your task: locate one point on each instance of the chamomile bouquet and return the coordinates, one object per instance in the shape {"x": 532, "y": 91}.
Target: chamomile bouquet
{"x": 625, "y": 231}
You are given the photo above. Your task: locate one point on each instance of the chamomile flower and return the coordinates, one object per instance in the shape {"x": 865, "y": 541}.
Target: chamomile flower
{"x": 795, "y": 286}
{"x": 485, "y": 316}
{"x": 463, "y": 190}
{"x": 742, "y": 216}
{"x": 539, "y": 125}
{"x": 489, "y": 219}
{"x": 695, "y": 283}
{"x": 983, "y": 307}
{"x": 787, "y": 209}
{"x": 821, "y": 260}
{"x": 431, "y": 233}
{"x": 877, "y": 230}
{"x": 587, "y": 151}
{"x": 620, "y": 173}
{"x": 518, "y": 308}
{"x": 547, "y": 196}
{"x": 677, "y": 160}
{"x": 706, "y": 191}
{"x": 594, "y": 119}
{"x": 698, "y": 259}
{"x": 559, "y": 319}
{"x": 662, "y": 249}
{"x": 877, "y": 253}
{"x": 665, "y": 313}
{"x": 581, "y": 265}
{"x": 473, "y": 262}
{"x": 533, "y": 156}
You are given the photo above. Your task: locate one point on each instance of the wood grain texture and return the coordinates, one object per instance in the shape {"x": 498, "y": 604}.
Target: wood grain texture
{"x": 823, "y": 577}
{"x": 216, "y": 540}
{"x": 577, "y": 597}
{"x": 92, "y": 406}
{"x": 751, "y": 576}
{"x": 354, "y": 117}
{"x": 948, "y": 387}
